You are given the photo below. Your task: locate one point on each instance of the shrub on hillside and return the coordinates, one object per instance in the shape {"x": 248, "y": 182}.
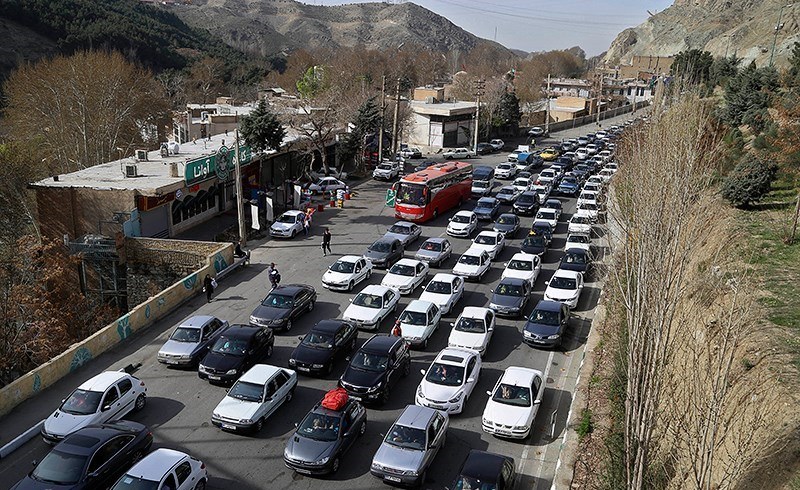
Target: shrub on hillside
{"x": 749, "y": 182}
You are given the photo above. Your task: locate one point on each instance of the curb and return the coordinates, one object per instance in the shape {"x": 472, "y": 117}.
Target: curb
{"x": 21, "y": 439}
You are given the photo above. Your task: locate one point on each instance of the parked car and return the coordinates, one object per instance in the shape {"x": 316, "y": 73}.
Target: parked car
{"x": 462, "y": 224}
{"x": 534, "y": 244}
{"x": 484, "y": 149}
{"x": 254, "y": 397}
{"x": 435, "y": 251}
{"x": 412, "y": 152}
{"x": 371, "y": 306}
{"x": 497, "y": 144}
{"x": 510, "y": 296}
{"x": 546, "y": 324}
{"x": 406, "y": 275}
{"x": 327, "y": 184}
{"x": 346, "y": 273}
{"x": 578, "y": 260}
{"x": 418, "y": 322}
{"x": 450, "y": 380}
{"x": 523, "y": 266}
{"x": 384, "y": 252}
{"x": 234, "y": 352}
{"x": 326, "y": 342}
{"x": 283, "y": 305}
{"x": 473, "y": 264}
{"x": 565, "y": 287}
{"x": 492, "y": 242}
{"x": 410, "y": 446}
{"x": 484, "y": 470}
{"x": 386, "y": 171}
{"x": 513, "y": 403}
{"x": 190, "y": 340}
{"x": 487, "y": 208}
{"x": 536, "y": 131}
{"x": 458, "y": 153}
{"x": 505, "y": 171}
{"x": 527, "y": 204}
{"x": 289, "y": 224}
{"x": 473, "y": 329}
{"x": 444, "y": 290}
{"x": 508, "y": 194}
{"x": 165, "y": 469}
{"x": 404, "y": 231}
{"x": 322, "y": 438}
{"x": 92, "y": 457}
{"x": 104, "y": 398}
{"x": 375, "y": 369}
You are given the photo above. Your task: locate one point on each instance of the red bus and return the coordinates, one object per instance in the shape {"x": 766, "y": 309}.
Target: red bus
{"x": 425, "y": 194}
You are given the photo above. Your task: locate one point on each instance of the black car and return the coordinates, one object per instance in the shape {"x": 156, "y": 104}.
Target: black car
{"x": 546, "y": 324}
{"x": 485, "y": 149}
{"x": 283, "y": 305}
{"x": 554, "y": 203}
{"x": 376, "y": 368}
{"x": 319, "y": 349}
{"x": 527, "y": 204}
{"x": 507, "y": 224}
{"x": 482, "y": 470}
{"x": 91, "y": 457}
{"x": 384, "y": 252}
{"x": 236, "y": 351}
{"x": 321, "y": 439}
{"x": 487, "y": 208}
{"x": 576, "y": 259}
{"x": 544, "y": 229}
{"x": 510, "y": 296}
{"x": 483, "y": 173}
{"x": 534, "y": 244}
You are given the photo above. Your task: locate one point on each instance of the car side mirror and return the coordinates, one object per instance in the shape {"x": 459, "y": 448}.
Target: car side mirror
{"x": 105, "y": 408}
{"x": 470, "y": 380}
{"x": 351, "y": 300}
{"x": 580, "y": 287}
{"x": 34, "y": 462}
{"x": 422, "y": 372}
{"x": 452, "y": 324}
{"x": 537, "y": 402}
{"x": 489, "y": 393}
{"x": 296, "y": 425}
{"x": 300, "y": 337}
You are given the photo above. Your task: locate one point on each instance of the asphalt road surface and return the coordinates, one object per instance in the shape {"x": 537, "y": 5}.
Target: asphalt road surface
{"x": 180, "y": 404}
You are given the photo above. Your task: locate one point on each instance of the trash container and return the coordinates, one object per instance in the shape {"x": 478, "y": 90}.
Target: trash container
{"x": 320, "y": 207}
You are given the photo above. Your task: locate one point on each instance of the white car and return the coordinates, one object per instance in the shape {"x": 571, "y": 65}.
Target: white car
{"x": 542, "y": 192}
{"x": 327, "y": 184}
{"x": 107, "y": 397}
{"x": 605, "y": 155}
{"x": 411, "y": 153}
{"x": 596, "y": 179}
{"x": 165, "y": 469}
{"x": 444, "y": 291}
{"x": 462, "y": 224}
{"x": 606, "y": 175}
{"x": 587, "y": 197}
{"x": 492, "y": 242}
{"x": 418, "y": 322}
{"x": 473, "y": 329}
{"x": 450, "y": 380}
{"x": 522, "y": 184}
{"x": 482, "y": 187}
{"x": 592, "y": 148}
{"x": 347, "y": 272}
{"x": 611, "y": 166}
{"x": 593, "y": 187}
{"x": 289, "y": 224}
{"x": 474, "y": 264}
{"x": 590, "y": 209}
{"x": 332, "y": 172}
{"x": 579, "y": 240}
{"x": 386, "y": 171}
{"x": 371, "y": 306}
{"x": 405, "y": 275}
{"x": 497, "y": 144}
{"x": 458, "y": 153}
{"x": 546, "y": 177}
{"x": 565, "y": 287}
{"x": 582, "y": 153}
{"x": 513, "y": 403}
{"x": 523, "y": 266}
{"x": 505, "y": 171}
{"x": 548, "y": 215}
{"x": 512, "y": 157}
{"x": 254, "y": 397}
{"x": 580, "y": 223}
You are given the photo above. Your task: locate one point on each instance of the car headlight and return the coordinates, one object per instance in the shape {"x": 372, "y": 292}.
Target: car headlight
{"x": 411, "y": 473}
{"x": 202, "y": 369}
{"x": 553, "y": 337}
{"x": 520, "y": 427}
{"x": 486, "y": 421}
{"x": 323, "y": 460}
{"x": 292, "y": 362}
{"x": 456, "y": 399}
{"x": 186, "y": 357}
{"x": 279, "y": 322}
{"x": 375, "y": 388}
{"x": 253, "y": 319}
{"x": 286, "y": 453}
{"x": 317, "y": 366}
{"x": 231, "y": 372}
{"x": 245, "y": 421}
{"x": 420, "y": 393}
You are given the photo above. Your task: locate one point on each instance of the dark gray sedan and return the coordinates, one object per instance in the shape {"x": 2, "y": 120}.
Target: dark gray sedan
{"x": 434, "y": 251}
{"x": 510, "y": 296}
{"x": 507, "y": 224}
{"x": 384, "y": 252}
{"x": 191, "y": 340}
{"x": 283, "y": 305}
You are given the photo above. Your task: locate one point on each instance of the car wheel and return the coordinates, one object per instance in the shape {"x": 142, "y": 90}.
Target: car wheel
{"x": 311, "y": 306}
{"x": 424, "y": 344}
{"x": 269, "y": 351}
{"x": 335, "y": 465}
{"x": 435, "y": 213}
{"x": 407, "y": 368}
{"x": 288, "y": 325}
{"x": 201, "y": 485}
{"x": 385, "y": 396}
{"x": 290, "y": 395}
{"x": 350, "y": 286}
{"x": 363, "y": 428}
{"x": 294, "y": 233}
{"x": 259, "y": 425}
{"x": 141, "y": 401}
{"x": 329, "y": 369}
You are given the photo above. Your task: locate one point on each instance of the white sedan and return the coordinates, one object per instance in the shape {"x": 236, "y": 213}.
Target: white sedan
{"x": 505, "y": 171}
{"x": 163, "y": 468}
{"x": 107, "y": 397}
{"x": 474, "y": 263}
{"x": 565, "y": 287}
{"x": 327, "y": 184}
{"x": 462, "y": 224}
{"x": 254, "y": 397}
{"x": 523, "y": 266}
{"x": 450, "y": 380}
{"x": 289, "y": 224}
{"x": 587, "y": 197}
{"x": 418, "y": 322}
{"x": 513, "y": 403}
{"x": 580, "y": 223}
{"x": 405, "y": 275}
{"x": 444, "y": 291}
{"x": 458, "y": 153}
{"x": 345, "y": 273}
{"x": 492, "y": 242}
{"x": 371, "y": 306}
{"x": 549, "y": 216}
{"x": 579, "y": 240}
{"x": 473, "y": 329}
{"x": 522, "y": 184}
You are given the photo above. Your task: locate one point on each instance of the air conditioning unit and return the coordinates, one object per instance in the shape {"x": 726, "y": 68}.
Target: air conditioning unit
{"x": 131, "y": 170}
{"x": 173, "y": 169}
{"x": 204, "y": 116}
{"x": 430, "y": 99}
{"x": 141, "y": 155}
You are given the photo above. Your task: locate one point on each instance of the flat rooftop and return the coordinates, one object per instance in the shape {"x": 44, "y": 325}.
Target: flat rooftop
{"x": 443, "y": 108}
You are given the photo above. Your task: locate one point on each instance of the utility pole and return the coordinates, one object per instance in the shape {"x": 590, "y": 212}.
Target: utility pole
{"x": 479, "y": 90}
{"x": 777, "y": 28}
{"x": 547, "y": 108}
{"x": 599, "y": 92}
{"x": 396, "y": 117}
{"x": 383, "y": 117}
{"x": 239, "y": 198}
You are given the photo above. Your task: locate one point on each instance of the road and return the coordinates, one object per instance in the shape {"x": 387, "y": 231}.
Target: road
{"x": 180, "y": 404}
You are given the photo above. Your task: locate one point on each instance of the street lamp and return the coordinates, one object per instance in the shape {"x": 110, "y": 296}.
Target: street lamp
{"x": 777, "y": 28}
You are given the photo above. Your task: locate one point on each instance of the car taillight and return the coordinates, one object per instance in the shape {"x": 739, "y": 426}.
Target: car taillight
{"x": 141, "y": 383}
{"x": 202, "y": 465}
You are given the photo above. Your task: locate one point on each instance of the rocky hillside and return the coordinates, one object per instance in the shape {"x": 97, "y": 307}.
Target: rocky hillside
{"x": 270, "y": 26}
{"x": 744, "y": 27}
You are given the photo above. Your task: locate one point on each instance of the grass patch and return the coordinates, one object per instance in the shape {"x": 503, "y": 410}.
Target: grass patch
{"x": 585, "y": 426}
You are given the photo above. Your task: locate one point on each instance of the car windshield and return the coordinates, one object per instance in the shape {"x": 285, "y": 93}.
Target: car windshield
{"x": 471, "y": 325}
{"x": 400, "y": 229}
{"x": 414, "y": 317}
{"x": 581, "y": 220}
{"x": 278, "y": 301}
{"x": 570, "y": 180}
{"x": 461, "y": 218}
{"x": 82, "y": 402}
{"x": 320, "y": 427}
{"x": 506, "y": 191}
{"x": 469, "y": 260}
{"x": 445, "y": 374}
{"x": 481, "y": 184}
{"x": 486, "y": 239}
{"x": 343, "y": 267}
{"x": 432, "y": 246}
{"x": 589, "y": 206}
{"x": 547, "y": 173}
{"x": 546, "y": 215}
{"x": 234, "y": 347}
{"x": 544, "y": 317}
{"x": 402, "y": 270}
{"x": 520, "y": 265}
{"x": 60, "y": 468}
{"x": 578, "y": 239}
{"x": 513, "y": 395}
{"x": 506, "y": 220}
{"x": 534, "y": 241}
{"x": 541, "y": 228}
{"x": 574, "y": 258}
{"x": 318, "y": 340}
{"x": 286, "y": 218}
{"x": 249, "y": 392}
{"x": 385, "y": 166}
{"x": 129, "y": 482}
{"x": 505, "y": 289}
{"x": 381, "y": 246}
{"x": 185, "y": 334}
{"x": 439, "y": 287}
{"x": 406, "y": 437}
{"x": 368, "y": 300}
{"x": 366, "y": 361}
{"x": 563, "y": 282}
{"x": 525, "y": 199}
{"x": 504, "y": 166}
{"x": 551, "y": 203}
{"x": 413, "y": 194}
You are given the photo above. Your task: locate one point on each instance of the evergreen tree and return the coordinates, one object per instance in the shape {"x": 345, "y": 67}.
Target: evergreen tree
{"x": 509, "y": 111}
{"x": 694, "y": 66}
{"x": 723, "y": 69}
{"x": 793, "y": 75}
{"x": 748, "y": 96}
{"x": 749, "y": 182}
{"x": 367, "y": 121}
{"x": 261, "y": 129}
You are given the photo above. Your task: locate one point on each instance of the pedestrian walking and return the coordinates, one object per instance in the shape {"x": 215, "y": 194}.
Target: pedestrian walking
{"x": 326, "y": 242}
{"x": 396, "y": 330}
{"x": 209, "y": 283}
{"x": 274, "y": 276}
{"x": 306, "y": 224}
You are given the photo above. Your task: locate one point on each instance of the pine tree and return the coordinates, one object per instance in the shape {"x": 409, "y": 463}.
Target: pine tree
{"x": 262, "y": 130}
{"x": 750, "y": 181}
{"x": 509, "y": 112}
{"x": 366, "y": 121}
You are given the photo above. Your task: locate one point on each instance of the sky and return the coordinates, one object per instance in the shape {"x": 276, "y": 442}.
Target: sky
{"x": 540, "y": 25}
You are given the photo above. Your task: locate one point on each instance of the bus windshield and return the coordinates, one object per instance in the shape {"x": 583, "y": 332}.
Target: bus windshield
{"x": 411, "y": 194}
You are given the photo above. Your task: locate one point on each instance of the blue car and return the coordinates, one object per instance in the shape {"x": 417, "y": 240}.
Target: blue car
{"x": 546, "y": 325}
{"x": 569, "y": 186}
{"x": 487, "y": 208}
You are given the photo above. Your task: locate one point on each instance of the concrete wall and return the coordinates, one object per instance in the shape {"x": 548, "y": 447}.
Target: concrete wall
{"x": 579, "y": 121}
{"x": 79, "y": 211}
{"x": 138, "y": 318}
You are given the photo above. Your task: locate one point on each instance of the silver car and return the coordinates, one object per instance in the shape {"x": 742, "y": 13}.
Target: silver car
{"x": 410, "y": 446}
{"x": 434, "y": 251}
{"x": 191, "y": 340}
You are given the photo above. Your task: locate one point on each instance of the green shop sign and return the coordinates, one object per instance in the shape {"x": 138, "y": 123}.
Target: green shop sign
{"x": 219, "y": 165}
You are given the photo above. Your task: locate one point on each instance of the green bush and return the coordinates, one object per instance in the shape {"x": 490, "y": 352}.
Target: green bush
{"x": 748, "y": 182}
{"x": 585, "y": 426}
